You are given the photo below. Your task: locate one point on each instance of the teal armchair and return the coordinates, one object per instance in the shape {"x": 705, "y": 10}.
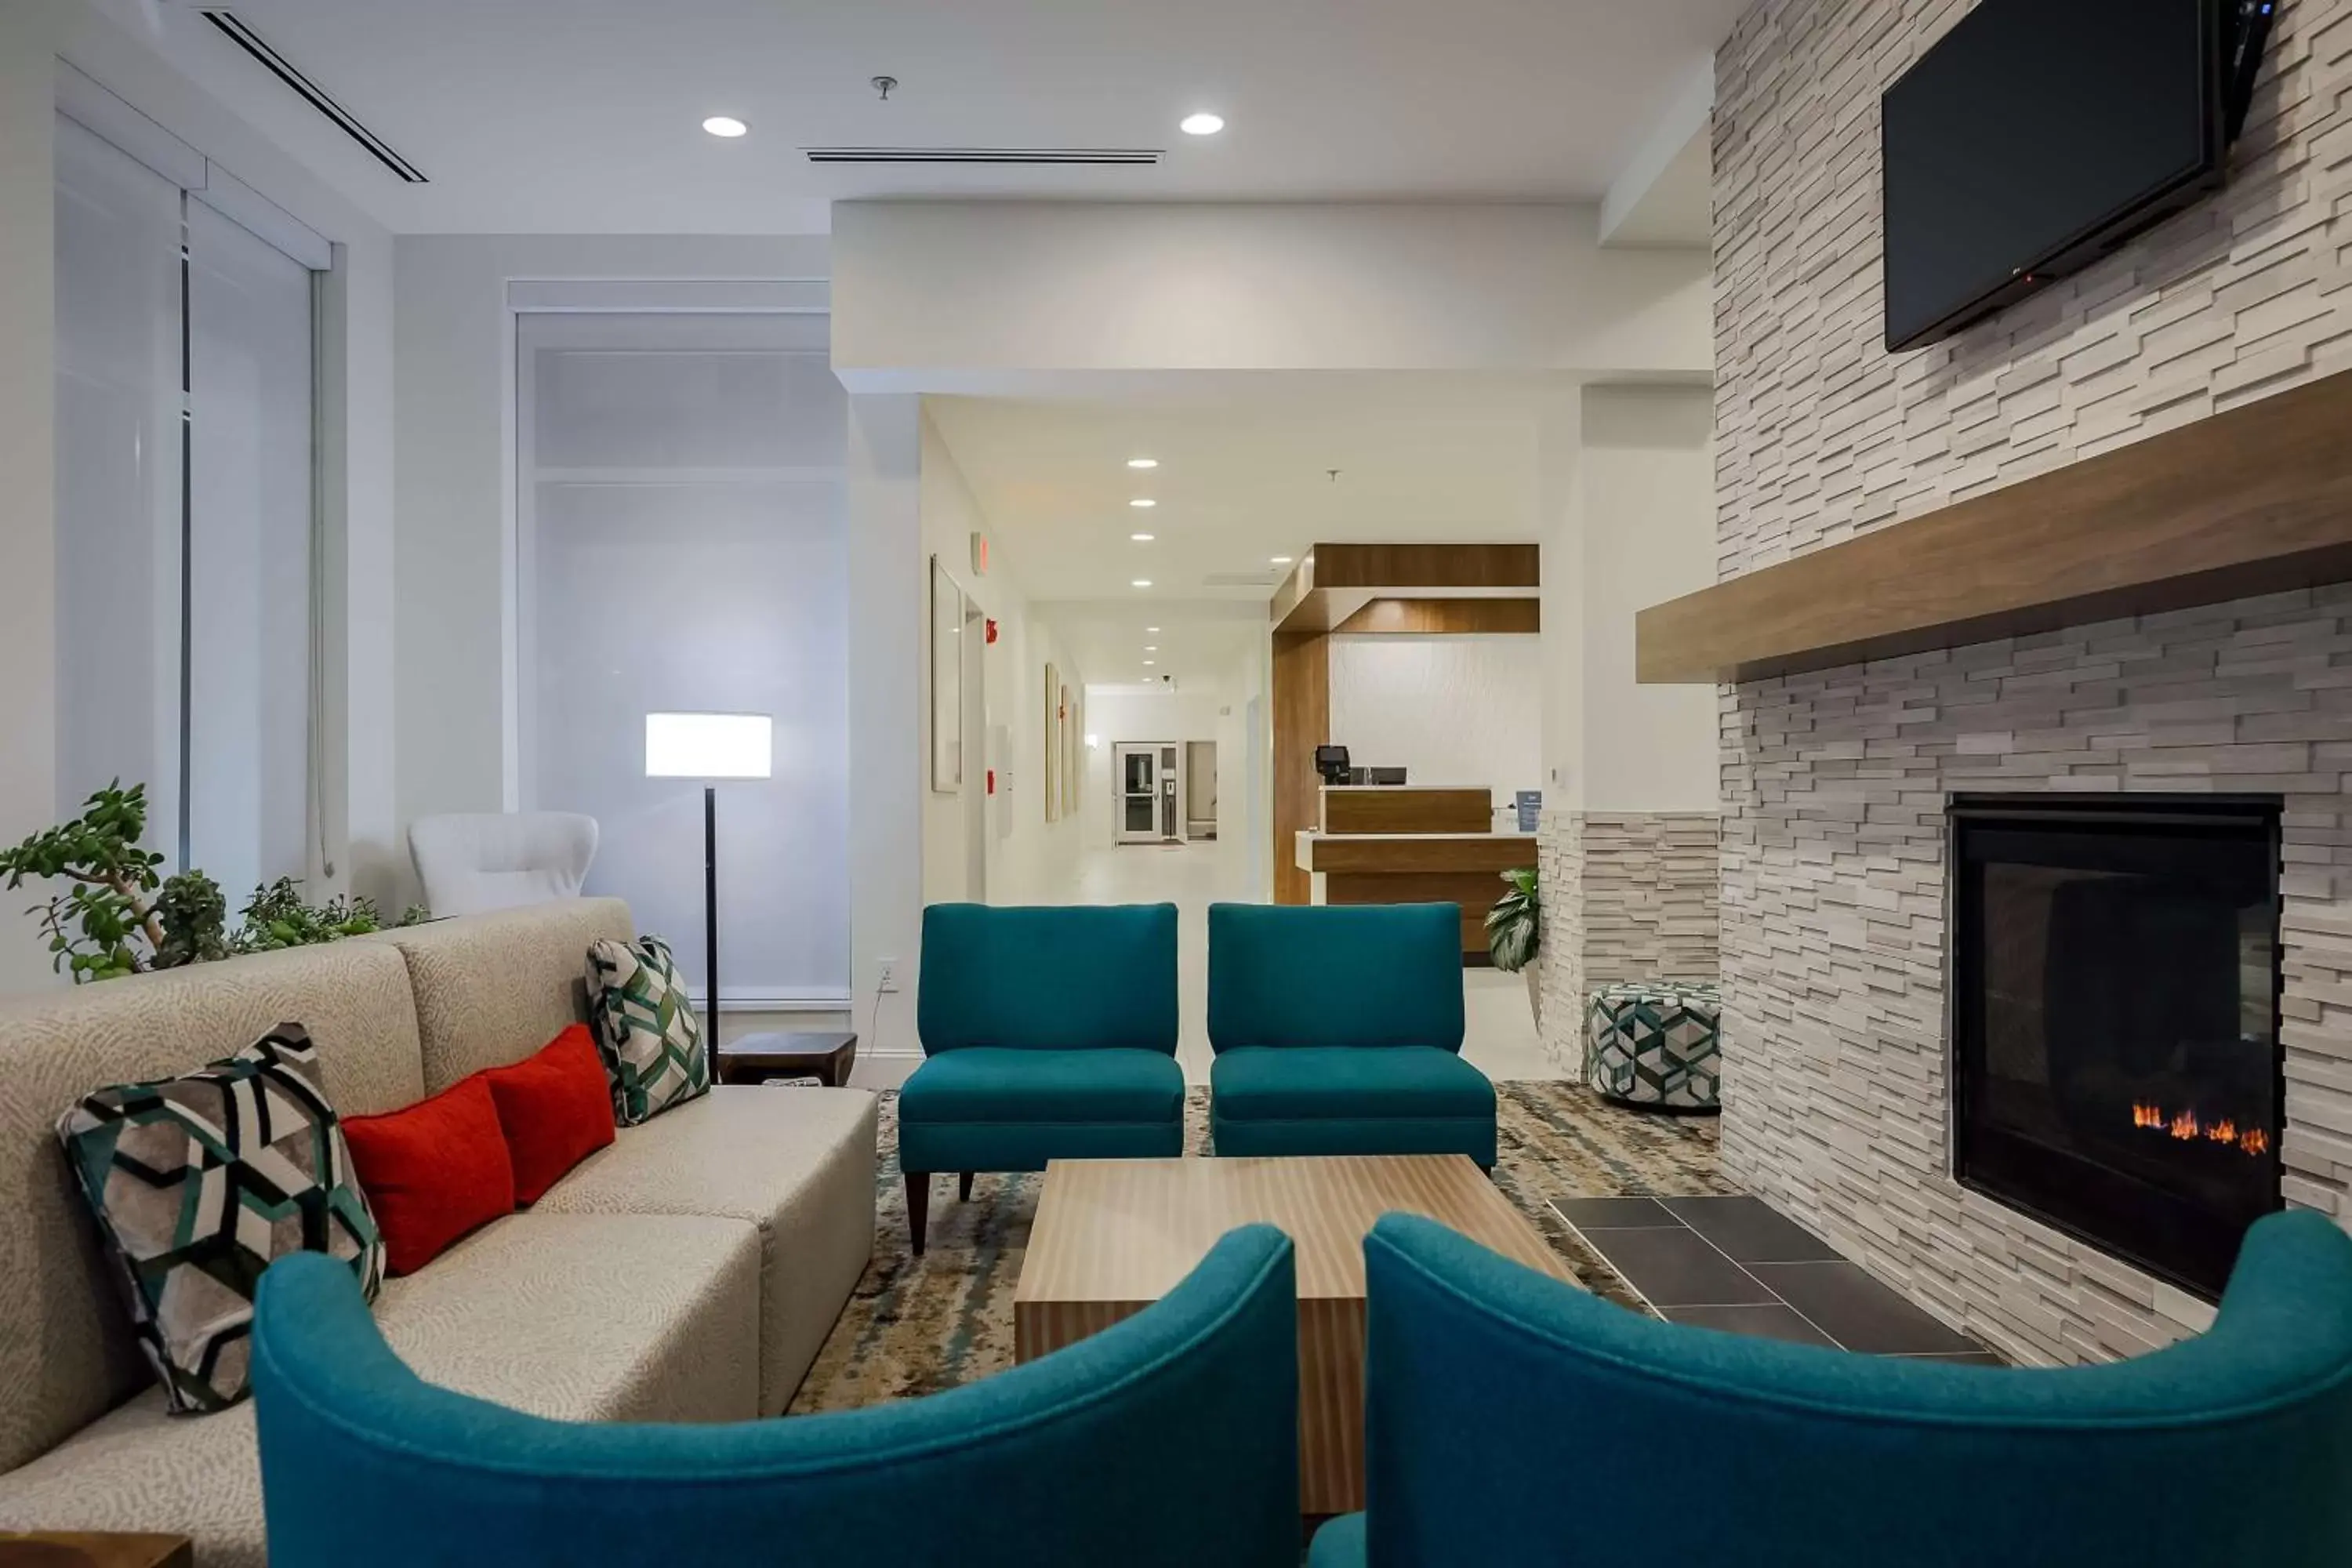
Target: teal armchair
{"x": 1048, "y": 1034}
{"x": 1510, "y": 1418}
{"x": 1338, "y": 1031}
{"x": 1168, "y": 1439}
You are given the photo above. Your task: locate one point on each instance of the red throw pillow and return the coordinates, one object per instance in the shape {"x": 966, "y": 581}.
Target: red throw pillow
{"x": 556, "y": 1108}
{"x": 434, "y": 1172}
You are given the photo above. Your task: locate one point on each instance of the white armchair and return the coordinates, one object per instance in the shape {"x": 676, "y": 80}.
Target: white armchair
{"x": 475, "y": 861}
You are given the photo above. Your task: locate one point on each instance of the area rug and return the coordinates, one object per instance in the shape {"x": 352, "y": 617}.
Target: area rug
{"x": 919, "y": 1325}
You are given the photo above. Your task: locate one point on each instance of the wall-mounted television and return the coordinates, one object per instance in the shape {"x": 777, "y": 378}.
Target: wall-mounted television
{"x": 2035, "y": 136}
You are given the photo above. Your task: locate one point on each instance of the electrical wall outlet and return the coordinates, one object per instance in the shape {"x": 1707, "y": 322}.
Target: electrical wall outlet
{"x": 889, "y": 975}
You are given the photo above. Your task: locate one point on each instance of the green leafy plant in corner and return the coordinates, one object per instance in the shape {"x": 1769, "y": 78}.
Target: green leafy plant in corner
{"x": 104, "y": 923}
{"x": 1515, "y": 925}
{"x": 277, "y": 916}
{"x": 118, "y": 915}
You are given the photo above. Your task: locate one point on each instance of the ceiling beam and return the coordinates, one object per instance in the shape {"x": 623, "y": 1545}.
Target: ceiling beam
{"x": 1334, "y": 582}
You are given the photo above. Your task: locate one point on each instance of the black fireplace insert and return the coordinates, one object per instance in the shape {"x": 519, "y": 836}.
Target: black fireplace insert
{"x": 2114, "y": 1018}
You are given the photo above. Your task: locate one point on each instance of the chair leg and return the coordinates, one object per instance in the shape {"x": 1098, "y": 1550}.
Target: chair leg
{"x": 919, "y": 1208}
{"x": 963, "y": 1187}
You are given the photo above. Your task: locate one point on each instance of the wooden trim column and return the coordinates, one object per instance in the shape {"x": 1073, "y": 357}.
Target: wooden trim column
{"x": 1302, "y": 722}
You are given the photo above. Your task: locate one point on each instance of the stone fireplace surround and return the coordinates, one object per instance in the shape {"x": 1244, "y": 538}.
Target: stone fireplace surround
{"x": 1834, "y": 782}
{"x": 1837, "y": 1103}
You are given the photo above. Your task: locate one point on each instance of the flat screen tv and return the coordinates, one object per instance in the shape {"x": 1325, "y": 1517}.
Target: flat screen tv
{"x": 2037, "y": 135}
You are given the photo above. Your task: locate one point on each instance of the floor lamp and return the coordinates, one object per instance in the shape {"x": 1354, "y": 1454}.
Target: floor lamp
{"x": 709, "y": 747}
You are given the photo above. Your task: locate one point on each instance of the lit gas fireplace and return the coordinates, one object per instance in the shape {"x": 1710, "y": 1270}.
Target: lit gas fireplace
{"x": 2188, "y": 1127}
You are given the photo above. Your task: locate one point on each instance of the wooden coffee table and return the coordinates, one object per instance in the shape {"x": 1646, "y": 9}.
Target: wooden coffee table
{"x": 1111, "y": 1236}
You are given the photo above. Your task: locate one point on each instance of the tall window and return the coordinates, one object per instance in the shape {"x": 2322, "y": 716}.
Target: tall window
{"x": 682, "y": 547}
{"x": 184, "y": 510}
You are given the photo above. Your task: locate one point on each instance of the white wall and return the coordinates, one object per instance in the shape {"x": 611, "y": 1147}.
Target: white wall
{"x": 27, "y": 455}
{"x": 888, "y": 759}
{"x": 1026, "y": 858}
{"x": 454, "y": 415}
{"x": 1130, "y": 713}
{"x": 355, "y": 344}
{"x": 1465, "y": 711}
{"x": 1648, "y": 515}
{"x": 946, "y": 296}
{"x": 1627, "y": 501}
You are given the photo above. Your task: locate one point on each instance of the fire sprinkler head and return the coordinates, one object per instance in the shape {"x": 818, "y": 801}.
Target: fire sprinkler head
{"x": 883, "y": 85}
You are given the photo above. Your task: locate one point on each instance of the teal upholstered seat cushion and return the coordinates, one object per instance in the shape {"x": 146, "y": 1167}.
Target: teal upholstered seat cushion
{"x": 1340, "y": 1543}
{"x": 1325, "y": 1099}
{"x": 1259, "y": 1083}
{"x": 995, "y": 1084}
{"x": 1388, "y": 974}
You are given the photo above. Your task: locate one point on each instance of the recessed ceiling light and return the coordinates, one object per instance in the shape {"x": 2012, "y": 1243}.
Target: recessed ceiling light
{"x": 1150, "y": 662}
{"x": 1143, "y": 462}
{"x": 1202, "y": 124}
{"x": 725, "y": 125}
{"x": 1142, "y": 537}
{"x": 1141, "y": 583}
{"x": 1151, "y": 647}
{"x": 1281, "y": 560}
{"x": 1143, "y": 500}
{"x": 1152, "y": 629}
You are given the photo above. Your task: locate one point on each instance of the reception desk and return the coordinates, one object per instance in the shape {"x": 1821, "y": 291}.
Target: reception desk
{"x": 1405, "y": 844}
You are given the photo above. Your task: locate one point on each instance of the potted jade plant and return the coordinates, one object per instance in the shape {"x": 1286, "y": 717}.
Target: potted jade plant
{"x": 1515, "y": 935}
{"x": 116, "y": 913}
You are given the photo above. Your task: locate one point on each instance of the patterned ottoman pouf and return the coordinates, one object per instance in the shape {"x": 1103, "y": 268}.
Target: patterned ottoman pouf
{"x": 1654, "y": 1044}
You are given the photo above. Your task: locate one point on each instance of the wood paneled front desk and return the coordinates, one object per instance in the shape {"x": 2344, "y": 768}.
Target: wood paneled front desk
{"x": 1406, "y": 844}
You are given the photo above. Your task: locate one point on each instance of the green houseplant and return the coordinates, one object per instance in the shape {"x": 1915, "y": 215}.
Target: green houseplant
{"x": 118, "y": 916}
{"x": 1514, "y": 933}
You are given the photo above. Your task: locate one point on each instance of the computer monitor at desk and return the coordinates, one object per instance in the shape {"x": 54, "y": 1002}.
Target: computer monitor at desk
{"x": 1384, "y": 776}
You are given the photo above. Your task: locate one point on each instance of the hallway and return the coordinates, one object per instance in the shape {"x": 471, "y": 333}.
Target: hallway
{"x": 1500, "y": 1040}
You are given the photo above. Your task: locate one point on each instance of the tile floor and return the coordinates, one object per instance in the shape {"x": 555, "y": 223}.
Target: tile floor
{"x": 1501, "y": 1038}
{"x": 1732, "y": 1263}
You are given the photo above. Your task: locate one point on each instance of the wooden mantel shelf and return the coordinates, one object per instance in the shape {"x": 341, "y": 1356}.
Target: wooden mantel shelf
{"x": 2255, "y": 500}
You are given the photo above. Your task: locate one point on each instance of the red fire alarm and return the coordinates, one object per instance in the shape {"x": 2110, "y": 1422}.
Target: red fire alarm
{"x": 992, "y": 631}
{"x": 992, "y": 781}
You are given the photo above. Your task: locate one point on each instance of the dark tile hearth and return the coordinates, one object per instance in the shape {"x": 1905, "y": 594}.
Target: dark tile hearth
{"x": 1735, "y": 1264}
{"x": 1747, "y": 1231}
{"x": 1859, "y": 1312}
{"x": 1762, "y": 1319}
{"x": 1673, "y": 1266}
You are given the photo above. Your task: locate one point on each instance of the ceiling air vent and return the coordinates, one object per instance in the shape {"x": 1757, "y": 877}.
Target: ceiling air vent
{"x": 252, "y": 42}
{"x": 1241, "y": 580}
{"x": 982, "y": 154}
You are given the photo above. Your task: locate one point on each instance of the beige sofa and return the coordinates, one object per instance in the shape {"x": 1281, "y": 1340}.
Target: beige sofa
{"x": 689, "y": 1272}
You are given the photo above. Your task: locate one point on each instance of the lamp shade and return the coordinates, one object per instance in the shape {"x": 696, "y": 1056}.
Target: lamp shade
{"x": 709, "y": 745}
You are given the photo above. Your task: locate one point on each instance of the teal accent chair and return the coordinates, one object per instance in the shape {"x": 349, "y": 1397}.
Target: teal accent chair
{"x": 1338, "y": 1031}
{"x": 1170, "y": 1438}
{"x": 1048, "y": 1034}
{"x": 1511, "y": 1418}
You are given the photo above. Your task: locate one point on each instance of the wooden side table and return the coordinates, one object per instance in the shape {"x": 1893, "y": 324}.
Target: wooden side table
{"x": 91, "y": 1549}
{"x": 755, "y": 1058}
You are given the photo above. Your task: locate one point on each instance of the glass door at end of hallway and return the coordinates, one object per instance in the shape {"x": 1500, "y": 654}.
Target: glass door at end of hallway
{"x": 1146, "y": 797}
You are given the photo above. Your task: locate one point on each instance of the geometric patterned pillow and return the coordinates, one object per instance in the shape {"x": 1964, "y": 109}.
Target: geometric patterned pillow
{"x": 198, "y": 1184}
{"x": 646, "y": 1028}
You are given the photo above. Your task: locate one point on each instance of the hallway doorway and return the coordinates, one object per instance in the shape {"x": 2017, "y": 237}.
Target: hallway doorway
{"x": 1150, "y": 796}
{"x": 1199, "y": 789}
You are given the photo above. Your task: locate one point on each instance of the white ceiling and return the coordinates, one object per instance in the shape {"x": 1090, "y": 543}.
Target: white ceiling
{"x": 582, "y": 116}
{"x": 1241, "y": 480}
